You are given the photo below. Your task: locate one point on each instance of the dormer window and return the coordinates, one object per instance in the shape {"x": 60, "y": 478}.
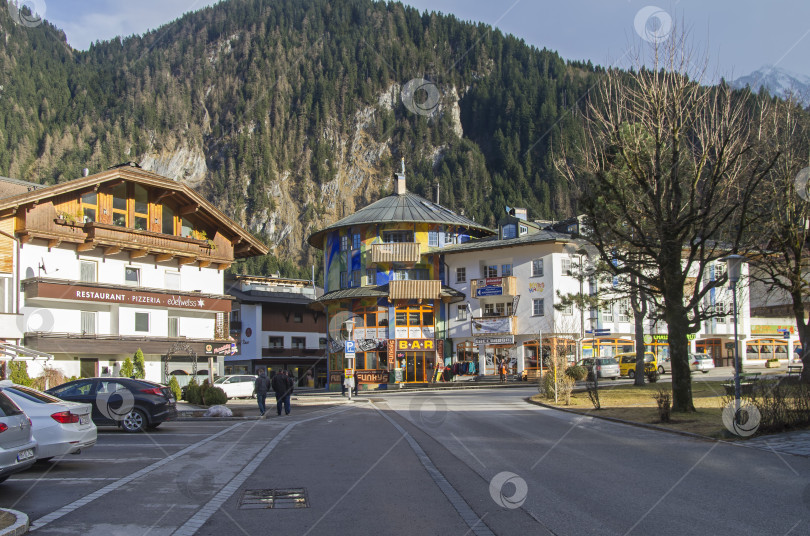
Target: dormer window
{"x": 89, "y": 206}
{"x": 119, "y": 205}
{"x": 141, "y": 208}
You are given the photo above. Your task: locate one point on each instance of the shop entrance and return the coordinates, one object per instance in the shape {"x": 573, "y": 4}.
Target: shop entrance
{"x": 413, "y": 365}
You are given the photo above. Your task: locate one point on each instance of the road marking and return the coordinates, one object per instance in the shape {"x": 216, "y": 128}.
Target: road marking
{"x": 195, "y": 522}
{"x": 87, "y": 499}
{"x": 140, "y": 445}
{"x": 63, "y": 479}
{"x": 464, "y": 511}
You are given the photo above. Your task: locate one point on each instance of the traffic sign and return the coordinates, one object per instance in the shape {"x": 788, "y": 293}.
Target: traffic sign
{"x": 349, "y": 347}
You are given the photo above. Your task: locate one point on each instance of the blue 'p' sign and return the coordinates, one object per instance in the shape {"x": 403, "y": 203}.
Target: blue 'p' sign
{"x": 349, "y": 347}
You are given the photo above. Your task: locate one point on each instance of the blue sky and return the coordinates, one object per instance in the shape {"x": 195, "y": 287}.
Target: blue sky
{"x": 738, "y": 35}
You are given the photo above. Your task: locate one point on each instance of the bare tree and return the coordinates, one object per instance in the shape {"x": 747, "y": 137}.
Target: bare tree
{"x": 783, "y": 261}
{"x": 665, "y": 178}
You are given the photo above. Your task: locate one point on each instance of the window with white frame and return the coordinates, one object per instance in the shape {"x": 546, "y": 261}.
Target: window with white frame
{"x": 538, "y": 307}
{"x": 299, "y": 343}
{"x": 720, "y": 310}
{"x": 344, "y": 242}
{"x": 172, "y": 280}
{"x": 566, "y": 266}
{"x": 132, "y": 276}
{"x": 719, "y": 270}
{"x": 88, "y": 319}
{"x": 433, "y": 239}
{"x": 174, "y": 326}
{"x": 489, "y": 309}
{"x": 461, "y": 312}
{"x": 491, "y": 271}
{"x": 568, "y": 309}
{"x": 88, "y": 271}
{"x": 506, "y": 270}
{"x": 461, "y": 275}
{"x": 500, "y": 309}
{"x": 142, "y": 322}
{"x": 607, "y": 313}
{"x": 624, "y": 310}
{"x": 371, "y": 276}
{"x": 275, "y": 342}
{"x": 537, "y": 268}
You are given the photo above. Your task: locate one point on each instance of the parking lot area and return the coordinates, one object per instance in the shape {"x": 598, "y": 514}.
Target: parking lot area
{"x": 139, "y": 483}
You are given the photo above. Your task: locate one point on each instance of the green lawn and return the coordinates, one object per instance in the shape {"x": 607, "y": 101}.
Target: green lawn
{"x": 637, "y": 404}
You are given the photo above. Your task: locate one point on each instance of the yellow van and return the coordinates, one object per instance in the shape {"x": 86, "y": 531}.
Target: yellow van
{"x": 627, "y": 363}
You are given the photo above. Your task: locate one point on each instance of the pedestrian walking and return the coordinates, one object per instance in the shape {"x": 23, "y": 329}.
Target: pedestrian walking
{"x": 356, "y": 382}
{"x": 502, "y": 370}
{"x": 262, "y": 385}
{"x": 283, "y": 387}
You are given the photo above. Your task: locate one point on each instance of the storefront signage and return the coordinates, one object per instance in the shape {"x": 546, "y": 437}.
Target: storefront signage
{"x": 224, "y": 349}
{"x": 372, "y": 376}
{"x": 771, "y": 329}
{"x": 537, "y": 287}
{"x": 662, "y": 338}
{"x": 391, "y": 353}
{"x": 415, "y": 344}
{"x": 497, "y": 324}
{"x": 489, "y": 290}
{"x": 80, "y": 293}
{"x": 494, "y": 340}
{"x": 367, "y": 345}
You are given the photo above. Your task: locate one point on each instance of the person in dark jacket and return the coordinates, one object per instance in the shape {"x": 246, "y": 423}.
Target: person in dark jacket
{"x": 262, "y": 385}
{"x": 283, "y": 387}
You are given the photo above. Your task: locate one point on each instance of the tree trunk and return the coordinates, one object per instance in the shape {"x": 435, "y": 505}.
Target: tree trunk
{"x": 638, "y": 302}
{"x": 804, "y": 334}
{"x": 679, "y": 353}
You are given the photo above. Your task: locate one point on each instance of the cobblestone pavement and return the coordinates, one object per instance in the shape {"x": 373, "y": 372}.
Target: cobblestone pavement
{"x": 797, "y": 442}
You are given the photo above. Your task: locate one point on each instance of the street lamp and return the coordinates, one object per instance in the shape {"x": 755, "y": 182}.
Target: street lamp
{"x": 733, "y": 267}
{"x": 349, "y": 325}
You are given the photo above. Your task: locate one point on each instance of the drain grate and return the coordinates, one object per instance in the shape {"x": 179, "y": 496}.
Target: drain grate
{"x": 274, "y": 498}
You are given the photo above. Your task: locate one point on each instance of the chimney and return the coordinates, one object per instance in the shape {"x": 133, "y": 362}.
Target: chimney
{"x": 438, "y": 186}
{"x": 401, "y": 188}
{"x": 85, "y": 172}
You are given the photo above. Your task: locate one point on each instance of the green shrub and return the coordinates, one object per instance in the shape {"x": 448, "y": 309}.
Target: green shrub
{"x": 127, "y": 370}
{"x": 204, "y": 387}
{"x": 215, "y": 396}
{"x": 194, "y": 394}
{"x": 175, "y": 387}
{"x": 139, "y": 365}
{"x": 652, "y": 376}
{"x": 19, "y": 373}
{"x": 576, "y": 372}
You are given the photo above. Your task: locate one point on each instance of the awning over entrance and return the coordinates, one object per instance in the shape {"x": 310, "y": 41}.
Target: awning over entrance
{"x": 21, "y": 352}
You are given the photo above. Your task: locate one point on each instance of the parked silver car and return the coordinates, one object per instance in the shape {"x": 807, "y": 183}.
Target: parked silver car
{"x": 18, "y": 449}
{"x": 606, "y": 367}
{"x": 697, "y": 362}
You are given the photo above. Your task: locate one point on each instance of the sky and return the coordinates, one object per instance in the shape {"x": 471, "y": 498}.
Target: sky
{"x": 738, "y": 36}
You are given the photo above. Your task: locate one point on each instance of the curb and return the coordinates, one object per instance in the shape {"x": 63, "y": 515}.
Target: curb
{"x": 20, "y": 526}
{"x": 631, "y": 423}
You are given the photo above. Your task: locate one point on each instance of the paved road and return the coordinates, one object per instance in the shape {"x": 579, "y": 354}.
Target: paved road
{"x": 463, "y": 462}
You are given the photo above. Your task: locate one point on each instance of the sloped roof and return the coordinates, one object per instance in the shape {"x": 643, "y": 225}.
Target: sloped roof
{"x": 140, "y": 176}
{"x": 9, "y": 187}
{"x": 407, "y": 207}
{"x": 493, "y": 242}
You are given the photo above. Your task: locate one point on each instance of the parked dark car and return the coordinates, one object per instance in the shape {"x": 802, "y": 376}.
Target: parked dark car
{"x": 134, "y": 405}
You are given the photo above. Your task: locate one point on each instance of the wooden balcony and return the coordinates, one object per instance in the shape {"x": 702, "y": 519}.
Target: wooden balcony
{"x": 493, "y": 286}
{"x": 415, "y": 290}
{"x": 494, "y": 325}
{"x": 396, "y": 252}
{"x": 41, "y": 223}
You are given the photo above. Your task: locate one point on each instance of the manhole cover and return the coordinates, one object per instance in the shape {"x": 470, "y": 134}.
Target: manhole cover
{"x": 274, "y": 498}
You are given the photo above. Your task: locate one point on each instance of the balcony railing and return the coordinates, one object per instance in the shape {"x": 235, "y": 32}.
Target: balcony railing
{"x": 494, "y": 325}
{"x": 396, "y": 252}
{"x": 494, "y": 286}
{"x": 429, "y": 289}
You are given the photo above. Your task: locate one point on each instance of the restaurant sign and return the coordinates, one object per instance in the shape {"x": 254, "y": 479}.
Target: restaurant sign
{"x": 83, "y": 293}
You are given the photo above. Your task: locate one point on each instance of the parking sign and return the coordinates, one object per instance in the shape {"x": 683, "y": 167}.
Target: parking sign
{"x": 349, "y": 348}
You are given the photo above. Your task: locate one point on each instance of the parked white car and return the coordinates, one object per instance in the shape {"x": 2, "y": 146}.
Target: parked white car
{"x": 237, "y": 385}
{"x": 702, "y": 362}
{"x": 697, "y": 362}
{"x": 18, "y": 448}
{"x": 59, "y": 427}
